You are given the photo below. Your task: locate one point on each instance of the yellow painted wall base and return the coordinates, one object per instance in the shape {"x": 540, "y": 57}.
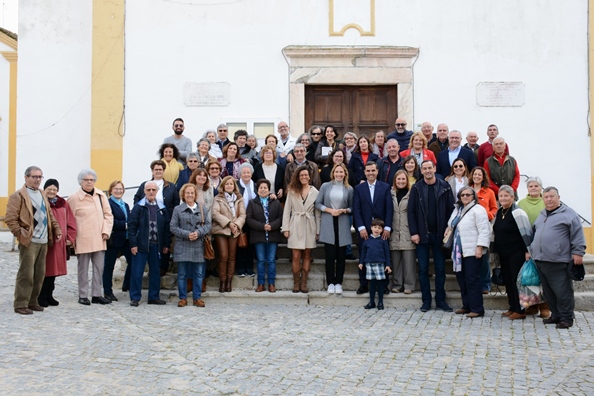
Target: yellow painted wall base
{"x": 3, "y": 203}
{"x": 110, "y": 164}
{"x": 589, "y": 243}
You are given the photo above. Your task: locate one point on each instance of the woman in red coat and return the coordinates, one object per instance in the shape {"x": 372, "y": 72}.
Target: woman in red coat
{"x": 57, "y": 254}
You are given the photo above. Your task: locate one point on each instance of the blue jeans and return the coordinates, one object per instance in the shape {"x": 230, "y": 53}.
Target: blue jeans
{"x": 485, "y": 272}
{"x": 138, "y": 263}
{"x": 266, "y": 252}
{"x": 197, "y": 270}
{"x": 435, "y": 245}
{"x": 111, "y": 255}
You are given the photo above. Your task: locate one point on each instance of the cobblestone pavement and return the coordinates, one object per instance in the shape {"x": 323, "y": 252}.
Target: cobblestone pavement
{"x": 268, "y": 349}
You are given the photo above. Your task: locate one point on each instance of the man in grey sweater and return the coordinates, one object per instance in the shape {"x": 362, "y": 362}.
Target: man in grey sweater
{"x": 183, "y": 144}
{"x": 558, "y": 240}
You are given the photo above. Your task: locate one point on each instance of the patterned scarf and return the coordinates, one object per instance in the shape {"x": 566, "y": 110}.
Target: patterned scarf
{"x": 266, "y": 213}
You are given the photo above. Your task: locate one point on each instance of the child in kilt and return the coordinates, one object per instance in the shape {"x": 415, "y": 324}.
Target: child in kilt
{"x": 375, "y": 254}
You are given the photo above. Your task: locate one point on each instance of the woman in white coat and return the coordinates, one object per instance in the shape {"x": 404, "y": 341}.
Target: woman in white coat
{"x": 301, "y": 226}
{"x": 470, "y": 233}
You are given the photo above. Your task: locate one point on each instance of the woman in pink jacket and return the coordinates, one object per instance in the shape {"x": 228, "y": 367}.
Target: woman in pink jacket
{"x": 93, "y": 224}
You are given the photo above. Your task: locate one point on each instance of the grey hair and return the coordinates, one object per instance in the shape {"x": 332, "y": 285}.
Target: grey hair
{"x": 310, "y": 130}
{"x": 203, "y": 140}
{"x": 464, "y": 189}
{"x": 151, "y": 182}
{"x": 192, "y": 155}
{"x": 209, "y": 131}
{"x": 31, "y": 169}
{"x": 507, "y": 189}
{"x": 255, "y": 138}
{"x": 86, "y": 172}
{"x": 534, "y": 179}
{"x": 551, "y": 188}
{"x": 456, "y": 131}
{"x": 351, "y": 134}
{"x": 303, "y": 134}
{"x": 299, "y": 145}
{"x": 246, "y": 165}
{"x": 499, "y": 138}
{"x": 222, "y": 126}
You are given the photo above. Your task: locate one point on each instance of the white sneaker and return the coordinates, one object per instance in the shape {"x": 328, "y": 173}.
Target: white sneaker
{"x": 338, "y": 289}
{"x": 330, "y": 289}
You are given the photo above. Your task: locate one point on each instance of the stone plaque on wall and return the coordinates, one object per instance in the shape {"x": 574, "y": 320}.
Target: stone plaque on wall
{"x": 500, "y": 94}
{"x": 207, "y": 94}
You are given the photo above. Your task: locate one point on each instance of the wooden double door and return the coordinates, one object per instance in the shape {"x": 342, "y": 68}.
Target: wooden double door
{"x": 355, "y": 108}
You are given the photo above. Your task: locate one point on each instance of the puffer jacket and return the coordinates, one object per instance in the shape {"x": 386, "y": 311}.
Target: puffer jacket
{"x": 474, "y": 228}
{"x": 222, "y": 217}
{"x": 400, "y": 236}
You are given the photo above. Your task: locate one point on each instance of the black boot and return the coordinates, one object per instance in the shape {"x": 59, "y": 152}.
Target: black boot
{"x": 42, "y": 299}
{"x": 50, "y": 294}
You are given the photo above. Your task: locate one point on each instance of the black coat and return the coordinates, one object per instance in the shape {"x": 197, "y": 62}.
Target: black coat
{"x": 417, "y": 202}
{"x": 278, "y": 177}
{"x": 118, "y": 238}
{"x": 256, "y": 221}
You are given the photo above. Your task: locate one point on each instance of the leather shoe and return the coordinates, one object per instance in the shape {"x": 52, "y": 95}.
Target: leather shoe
{"x": 84, "y": 301}
{"x": 474, "y": 315}
{"x": 362, "y": 290}
{"x": 485, "y": 291}
{"x": 369, "y": 306}
{"x": 271, "y": 288}
{"x": 386, "y": 291}
{"x": 36, "y": 308}
{"x": 100, "y": 300}
{"x": 507, "y": 313}
{"x": 350, "y": 257}
{"x": 516, "y": 315}
{"x": 199, "y": 303}
{"x": 134, "y": 303}
{"x": 23, "y": 311}
{"x": 111, "y": 297}
{"x": 461, "y": 311}
{"x": 550, "y": 320}
{"x": 564, "y": 325}
{"x": 380, "y": 306}
{"x": 182, "y": 303}
{"x": 425, "y": 307}
{"x": 156, "y": 302}
{"x": 260, "y": 289}
{"x": 444, "y": 307}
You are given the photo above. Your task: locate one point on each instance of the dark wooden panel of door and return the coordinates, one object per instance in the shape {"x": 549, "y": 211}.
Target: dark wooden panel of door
{"x": 360, "y": 109}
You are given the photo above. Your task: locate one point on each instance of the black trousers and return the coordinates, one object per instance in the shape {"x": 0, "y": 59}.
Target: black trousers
{"x": 558, "y": 289}
{"x": 335, "y": 254}
{"x": 511, "y": 263}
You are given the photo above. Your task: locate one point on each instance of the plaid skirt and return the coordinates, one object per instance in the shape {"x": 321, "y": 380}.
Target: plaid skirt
{"x": 375, "y": 271}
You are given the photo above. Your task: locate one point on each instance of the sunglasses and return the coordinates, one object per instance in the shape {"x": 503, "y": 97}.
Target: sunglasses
{"x": 179, "y": 125}
{"x": 400, "y": 125}
{"x": 458, "y": 166}
{"x": 465, "y": 195}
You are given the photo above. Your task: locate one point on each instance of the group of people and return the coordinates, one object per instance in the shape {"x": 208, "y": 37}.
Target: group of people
{"x": 407, "y": 194}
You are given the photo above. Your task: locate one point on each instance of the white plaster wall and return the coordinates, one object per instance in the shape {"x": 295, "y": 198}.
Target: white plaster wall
{"x": 4, "y": 119}
{"x": 54, "y": 86}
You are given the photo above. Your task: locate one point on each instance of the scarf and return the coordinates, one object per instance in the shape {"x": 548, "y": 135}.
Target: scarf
{"x": 266, "y": 213}
{"x": 231, "y": 198}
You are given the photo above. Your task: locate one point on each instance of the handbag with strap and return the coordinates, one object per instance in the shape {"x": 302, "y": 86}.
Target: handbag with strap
{"x": 208, "y": 250}
{"x": 242, "y": 240}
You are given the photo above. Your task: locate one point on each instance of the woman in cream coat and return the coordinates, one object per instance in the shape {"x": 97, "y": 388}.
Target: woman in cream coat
{"x": 301, "y": 225}
{"x": 402, "y": 249}
{"x": 469, "y": 224}
{"x": 228, "y": 217}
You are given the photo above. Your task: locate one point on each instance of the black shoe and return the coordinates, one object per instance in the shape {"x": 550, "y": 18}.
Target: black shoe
{"x": 43, "y": 302}
{"x": 350, "y": 256}
{"x": 369, "y": 306}
{"x": 156, "y": 302}
{"x": 386, "y": 291}
{"x": 362, "y": 290}
{"x": 564, "y": 324}
{"x": 444, "y": 307}
{"x": 425, "y": 307}
{"x": 111, "y": 297}
{"x": 134, "y": 303}
{"x": 380, "y": 306}
{"x": 100, "y": 300}
{"x": 125, "y": 289}
{"x": 84, "y": 301}
{"x": 550, "y": 320}
{"x": 52, "y": 301}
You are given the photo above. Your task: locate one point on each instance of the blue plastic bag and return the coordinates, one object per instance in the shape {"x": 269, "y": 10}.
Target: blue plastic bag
{"x": 529, "y": 274}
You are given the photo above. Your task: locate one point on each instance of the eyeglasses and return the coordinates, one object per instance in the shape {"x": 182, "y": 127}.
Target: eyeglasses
{"x": 222, "y": 130}
{"x": 304, "y": 140}
{"x": 465, "y": 195}
{"x": 458, "y": 166}
{"x": 117, "y": 189}
{"x": 88, "y": 180}
{"x": 36, "y": 177}
{"x": 400, "y": 125}
{"x": 192, "y": 161}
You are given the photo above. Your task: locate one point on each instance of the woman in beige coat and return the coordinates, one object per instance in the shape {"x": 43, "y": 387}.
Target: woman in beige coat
{"x": 228, "y": 217}
{"x": 94, "y": 222}
{"x": 402, "y": 249}
{"x": 301, "y": 225}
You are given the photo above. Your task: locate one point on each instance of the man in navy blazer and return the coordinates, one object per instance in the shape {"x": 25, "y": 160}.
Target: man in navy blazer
{"x": 372, "y": 200}
{"x": 446, "y": 157}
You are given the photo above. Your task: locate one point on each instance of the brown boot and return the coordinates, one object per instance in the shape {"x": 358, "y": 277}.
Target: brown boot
{"x": 221, "y": 286}
{"x": 203, "y": 285}
{"x": 305, "y": 271}
{"x": 229, "y": 285}
{"x": 296, "y": 270}
{"x": 296, "y": 281}
{"x": 545, "y": 311}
